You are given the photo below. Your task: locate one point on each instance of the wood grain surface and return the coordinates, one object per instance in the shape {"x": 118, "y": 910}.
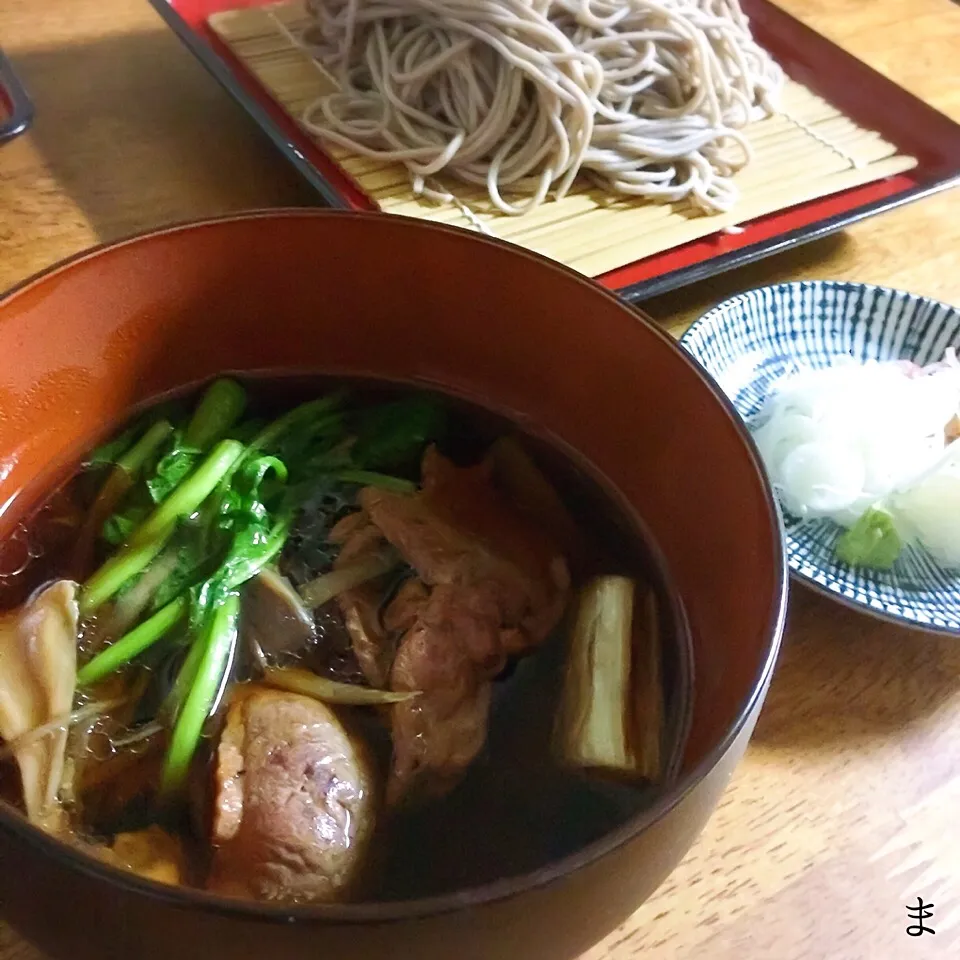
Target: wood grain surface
{"x": 845, "y": 807}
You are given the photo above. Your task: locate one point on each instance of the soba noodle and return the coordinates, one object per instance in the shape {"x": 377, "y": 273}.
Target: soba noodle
{"x": 647, "y": 98}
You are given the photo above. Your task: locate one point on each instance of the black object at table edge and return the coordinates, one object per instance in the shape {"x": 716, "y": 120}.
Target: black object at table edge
{"x": 21, "y": 107}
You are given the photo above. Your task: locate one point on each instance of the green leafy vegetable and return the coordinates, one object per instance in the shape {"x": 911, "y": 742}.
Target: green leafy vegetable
{"x": 194, "y": 565}
{"x": 146, "y": 460}
{"x": 217, "y": 646}
{"x": 247, "y": 430}
{"x": 216, "y": 607}
{"x": 190, "y": 493}
{"x": 118, "y": 570}
{"x": 291, "y": 435}
{"x": 113, "y": 449}
{"x": 186, "y": 675}
{"x": 168, "y": 456}
{"x": 219, "y": 497}
{"x": 136, "y": 598}
{"x": 252, "y": 548}
{"x": 134, "y": 643}
{"x": 136, "y": 458}
{"x": 219, "y": 409}
{"x": 119, "y": 526}
{"x": 391, "y": 436}
{"x": 150, "y": 537}
{"x": 872, "y": 541}
{"x": 253, "y": 539}
{"x": 103, "y": 514}
{"x": 172, "y": 468}
{"x": 367, "y": 478}
{"x": 110, "y": 452}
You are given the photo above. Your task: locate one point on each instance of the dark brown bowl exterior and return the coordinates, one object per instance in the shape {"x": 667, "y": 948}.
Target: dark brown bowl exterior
{"x": 351, "y": 294}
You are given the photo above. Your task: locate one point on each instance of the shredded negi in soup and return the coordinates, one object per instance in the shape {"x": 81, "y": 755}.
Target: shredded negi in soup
{"x": 367, "y": 645}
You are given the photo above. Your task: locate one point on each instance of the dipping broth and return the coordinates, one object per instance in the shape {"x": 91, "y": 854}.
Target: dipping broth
{"x": 314, "y": 641}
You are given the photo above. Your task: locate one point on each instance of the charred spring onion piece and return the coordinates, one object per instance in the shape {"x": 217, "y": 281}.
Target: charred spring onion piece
{"x": 329, "y": 585}
{"x": 320, "y": 688}
{"x": 594, "y": 727}
{"x": 217, "y": 650}
{"x": 135, "y": 642}
{"x": 610, "y": 713}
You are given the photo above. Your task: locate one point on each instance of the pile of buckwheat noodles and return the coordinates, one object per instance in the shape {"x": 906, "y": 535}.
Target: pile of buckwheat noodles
{"x": 647, "y": 98}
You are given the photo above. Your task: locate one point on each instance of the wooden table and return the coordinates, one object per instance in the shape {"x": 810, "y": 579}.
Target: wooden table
{"x": 845, "y": 807}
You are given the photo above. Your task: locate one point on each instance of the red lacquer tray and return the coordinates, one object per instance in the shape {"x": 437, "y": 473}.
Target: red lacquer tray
{"x": 867, "y": 97}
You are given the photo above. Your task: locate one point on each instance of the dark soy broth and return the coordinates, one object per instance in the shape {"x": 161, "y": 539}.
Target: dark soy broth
{"x": 516, "y": 809}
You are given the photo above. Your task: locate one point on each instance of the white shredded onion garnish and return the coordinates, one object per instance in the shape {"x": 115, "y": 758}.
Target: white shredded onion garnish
{"x": 840, "y": 440}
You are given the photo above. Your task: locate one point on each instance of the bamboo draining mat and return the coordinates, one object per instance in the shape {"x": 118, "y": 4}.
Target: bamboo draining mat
{"x": 807, "y": 150}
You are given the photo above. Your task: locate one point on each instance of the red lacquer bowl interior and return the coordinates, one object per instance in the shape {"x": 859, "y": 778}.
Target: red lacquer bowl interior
{"x": 291, "y": 291}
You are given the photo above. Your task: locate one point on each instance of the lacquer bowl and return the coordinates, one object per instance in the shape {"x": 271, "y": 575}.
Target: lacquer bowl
{"x": 320, "y": 292}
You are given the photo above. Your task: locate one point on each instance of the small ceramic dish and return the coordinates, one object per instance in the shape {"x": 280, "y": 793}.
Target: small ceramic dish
{"x": 749, "y": 341}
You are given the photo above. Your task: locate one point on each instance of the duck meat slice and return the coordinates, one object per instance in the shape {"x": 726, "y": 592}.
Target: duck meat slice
{"x": 294, "y": 801}
{"x": 360, "y": 606}
{"x": 492, "y": 586}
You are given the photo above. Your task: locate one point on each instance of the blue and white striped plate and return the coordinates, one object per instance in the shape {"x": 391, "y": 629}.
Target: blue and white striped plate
{"x": 749, "y": 341}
